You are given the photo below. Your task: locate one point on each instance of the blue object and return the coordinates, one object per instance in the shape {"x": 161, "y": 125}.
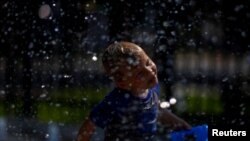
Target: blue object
{"x": 197, "y": 133}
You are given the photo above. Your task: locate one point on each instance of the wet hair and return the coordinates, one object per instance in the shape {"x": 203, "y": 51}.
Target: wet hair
{"x": 117, "y": 52}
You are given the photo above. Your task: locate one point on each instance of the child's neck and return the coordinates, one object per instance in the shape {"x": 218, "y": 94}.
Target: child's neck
{"x": 140, "y": 93}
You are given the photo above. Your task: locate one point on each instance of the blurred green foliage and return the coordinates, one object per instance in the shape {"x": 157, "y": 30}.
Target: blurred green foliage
{"x": 72, "y": 105}
{"x": 204, "y": 101}
{"x": 69, "y": 105}
{"x": 10, "y": 108}
{"x": 206, "y": 104}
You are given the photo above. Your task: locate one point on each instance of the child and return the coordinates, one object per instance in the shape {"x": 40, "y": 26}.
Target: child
{"x": 130, "y": 111}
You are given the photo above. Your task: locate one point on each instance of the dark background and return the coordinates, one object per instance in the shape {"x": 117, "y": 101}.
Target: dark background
{"x": 44, "y": 59}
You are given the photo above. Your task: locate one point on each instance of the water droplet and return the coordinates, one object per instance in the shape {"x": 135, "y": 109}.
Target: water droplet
{"x": 172, "y": 101}
{"x": 164, "y": 104}
{"x": 46, "y": 136}
{"x": 94, "y": 58}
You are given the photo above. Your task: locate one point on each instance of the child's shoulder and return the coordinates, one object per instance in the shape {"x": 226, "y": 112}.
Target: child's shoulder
{"x": 156, "y": 88}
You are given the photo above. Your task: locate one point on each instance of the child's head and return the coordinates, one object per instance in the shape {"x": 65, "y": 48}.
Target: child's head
{"x": 129, "y": 66}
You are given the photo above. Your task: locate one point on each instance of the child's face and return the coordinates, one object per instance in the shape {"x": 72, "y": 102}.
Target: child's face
{"x": 139, "y": 74}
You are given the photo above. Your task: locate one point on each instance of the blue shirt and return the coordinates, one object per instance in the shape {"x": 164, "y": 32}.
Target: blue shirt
{"x": 126, "y": 117}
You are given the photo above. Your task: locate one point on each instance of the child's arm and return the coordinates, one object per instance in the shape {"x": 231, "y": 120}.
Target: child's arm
{"x": 86, "y": 131}
{"x": 171, "y": 120}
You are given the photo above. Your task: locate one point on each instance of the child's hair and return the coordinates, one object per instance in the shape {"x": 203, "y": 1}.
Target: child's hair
{"x": 117, "y": 52}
